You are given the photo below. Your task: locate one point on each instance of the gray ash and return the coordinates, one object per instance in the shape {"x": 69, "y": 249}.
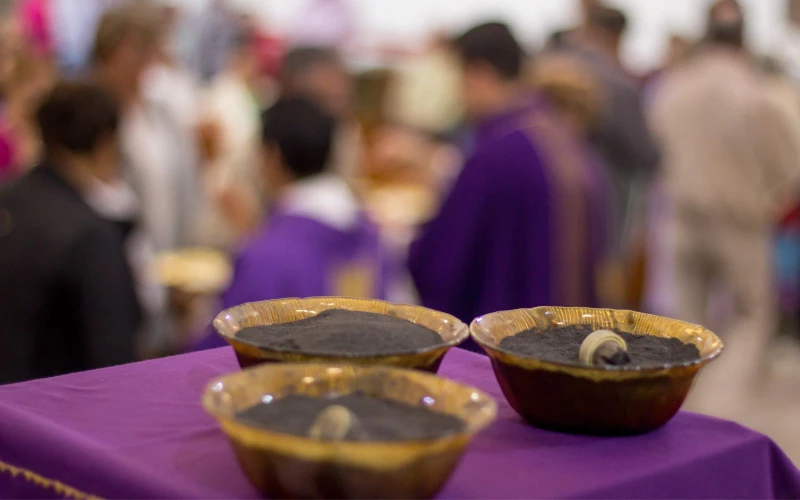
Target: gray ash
{"x": 339, "y": 332}
{"x": 562, "y": 344}
{"x": 379, "y": 419}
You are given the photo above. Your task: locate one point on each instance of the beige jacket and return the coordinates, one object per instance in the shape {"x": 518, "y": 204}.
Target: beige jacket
{"x": 731, "y": 141}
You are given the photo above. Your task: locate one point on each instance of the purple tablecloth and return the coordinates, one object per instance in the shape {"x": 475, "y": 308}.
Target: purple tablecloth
{"x": 138, "y": 431}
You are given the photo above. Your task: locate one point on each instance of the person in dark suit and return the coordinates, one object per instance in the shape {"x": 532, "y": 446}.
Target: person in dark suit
{"x": 67, "y": 299}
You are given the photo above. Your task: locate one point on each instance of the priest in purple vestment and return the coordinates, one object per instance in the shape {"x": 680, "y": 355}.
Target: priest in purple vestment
{"x": 317, "y": 240}
{"x": 522, "y": 226}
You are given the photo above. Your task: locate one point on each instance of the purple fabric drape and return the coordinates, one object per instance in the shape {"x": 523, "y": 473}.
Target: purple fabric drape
{"x": 138, "y": 431}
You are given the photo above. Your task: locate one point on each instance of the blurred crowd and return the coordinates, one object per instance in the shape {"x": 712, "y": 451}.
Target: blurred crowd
{"x": 475, "y": 175}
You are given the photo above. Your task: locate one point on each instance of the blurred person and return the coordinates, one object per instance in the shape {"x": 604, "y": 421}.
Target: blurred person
{"x": 171, "y": 93}
{"x": 28, "y": 78}
{"x": 317, "y": 241}
{"x": 568, "y": 86}
{"x": 153, "y": 150}
{"x": 731, "y": 164}
{"x": 620, "y": 136}
{"x": 514, "y": 230}
{"x": 68, "y": 301}
{"x": 232, "y": 198}
{"x": 319, "y": 74}
{"x": 156, "y": 155}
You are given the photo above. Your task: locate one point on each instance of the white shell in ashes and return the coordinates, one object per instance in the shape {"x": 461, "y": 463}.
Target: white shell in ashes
{"x": 594, "y": 341}
{"x": 332, "y": 424}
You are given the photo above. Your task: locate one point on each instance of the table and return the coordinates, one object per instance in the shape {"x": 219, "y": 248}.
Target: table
{"x": 138, "y": 431}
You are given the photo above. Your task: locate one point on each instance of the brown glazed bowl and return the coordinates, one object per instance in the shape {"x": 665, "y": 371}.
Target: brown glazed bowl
{"x": 228, "y": 322}
{"x": 288, "y": 466}
{"x": 588, "y": 400}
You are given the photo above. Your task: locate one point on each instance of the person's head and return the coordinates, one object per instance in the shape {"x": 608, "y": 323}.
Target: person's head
{"x": 318, "y": 74}
{"x": 78, "y": 124}
{"x": 570, "y": 89}
{"x": 492, "y": 63}
{"x": 297, "y": 137}
{"x": 606, "y": 27}
{"x": 125, "y": 44}
{"x": 726, "y": 24}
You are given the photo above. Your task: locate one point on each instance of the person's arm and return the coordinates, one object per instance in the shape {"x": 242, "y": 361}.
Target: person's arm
{"x": 108, "y": 310}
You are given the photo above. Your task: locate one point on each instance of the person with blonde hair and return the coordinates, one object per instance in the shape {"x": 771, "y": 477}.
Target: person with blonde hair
{"x": 156, "y": 156}
{"x": 153, "y": 150}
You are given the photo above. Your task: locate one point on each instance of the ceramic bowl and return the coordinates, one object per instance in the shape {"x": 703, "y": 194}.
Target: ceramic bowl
{"x": 228, "y": 322}
{"x": 589, "y": 400}
{"x": 288, "y": 466}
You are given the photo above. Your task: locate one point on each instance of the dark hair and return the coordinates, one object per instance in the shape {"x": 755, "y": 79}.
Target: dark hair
{"x": 302, "y": 132}
{"x": 299, "y": 60}
{"x": 75, "y": 116}
{"x": 608, "y": 19}
{"x": 725, "y": 31}
{"x": 495, "y": 45}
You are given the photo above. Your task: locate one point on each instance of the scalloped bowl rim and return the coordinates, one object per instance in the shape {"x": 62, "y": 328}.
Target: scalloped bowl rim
{"x": 461, "y": 329}
{"x": 471, "y": 426}
{"x": 702, "y": 360}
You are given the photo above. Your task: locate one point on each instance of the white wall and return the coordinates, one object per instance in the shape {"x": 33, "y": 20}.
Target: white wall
{"x": 652, "y": 21}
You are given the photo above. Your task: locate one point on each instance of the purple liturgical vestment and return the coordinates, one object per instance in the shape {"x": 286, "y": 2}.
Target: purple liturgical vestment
{"x": 522, "y": 226}
{"x": 303, "y": 253}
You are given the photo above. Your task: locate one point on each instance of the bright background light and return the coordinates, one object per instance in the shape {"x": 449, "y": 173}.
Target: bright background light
{"x": 405, "y": 22}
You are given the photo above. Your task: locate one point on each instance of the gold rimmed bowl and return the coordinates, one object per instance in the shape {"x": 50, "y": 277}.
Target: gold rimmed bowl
{"x": 289, "y": 466}
{"x": 591, "y": 400}
{"x": 270, "y": 312}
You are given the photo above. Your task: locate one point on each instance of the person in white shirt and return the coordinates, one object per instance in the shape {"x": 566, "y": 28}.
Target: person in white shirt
{"x": 232, "y": 198}
{"x": 155, "y": 156}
